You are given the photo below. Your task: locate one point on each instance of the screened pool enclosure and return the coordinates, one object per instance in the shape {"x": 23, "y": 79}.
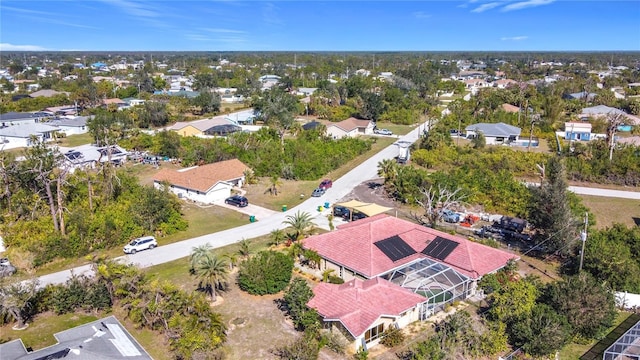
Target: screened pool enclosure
{"x": 437, "y": 282}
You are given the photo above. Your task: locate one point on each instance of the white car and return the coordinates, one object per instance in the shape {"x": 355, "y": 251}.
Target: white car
{"x": 139, "y": 244}
{"x": 383, "y": 132}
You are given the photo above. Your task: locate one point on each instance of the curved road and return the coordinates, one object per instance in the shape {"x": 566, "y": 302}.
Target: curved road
{"x": 341, "y": 187}
{"x": 162, "y": 254}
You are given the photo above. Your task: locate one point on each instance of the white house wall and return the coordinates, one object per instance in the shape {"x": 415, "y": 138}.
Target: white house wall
{"x": 218, "y": 193}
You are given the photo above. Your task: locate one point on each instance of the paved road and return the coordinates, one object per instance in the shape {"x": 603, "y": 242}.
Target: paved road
{"x": 341, "y": 187}
{"x": 605, "y": 192}
{"x": 581, "y": 190}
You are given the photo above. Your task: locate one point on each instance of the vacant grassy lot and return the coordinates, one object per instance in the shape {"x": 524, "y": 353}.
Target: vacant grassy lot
{"x": 76, "y": 140}
{"x": 608, "y": 211}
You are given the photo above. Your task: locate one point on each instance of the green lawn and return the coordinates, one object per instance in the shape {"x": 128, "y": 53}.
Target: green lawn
{"x": 76, "y": 140}
{"x": 39, "y": 334}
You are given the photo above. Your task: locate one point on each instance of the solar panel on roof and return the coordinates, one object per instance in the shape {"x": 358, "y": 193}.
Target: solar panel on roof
{"x": 440, "y": 248}
{"x": 395, "y": 248}
{"x": 73, "y": 155}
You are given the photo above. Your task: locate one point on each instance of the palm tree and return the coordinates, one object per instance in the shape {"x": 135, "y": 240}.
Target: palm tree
{"x": 313, "y": 258}
{"x": 197, "y": 253}
{"x": 244, "y": 251}
{"x": 388, "y": 169}
{"x": 277, "y": 236}
{"x": 301, "y": 223}
{"x": 232, "y": 259}
{"x": 274, "y": 185}
{"x": 212, "y": 273}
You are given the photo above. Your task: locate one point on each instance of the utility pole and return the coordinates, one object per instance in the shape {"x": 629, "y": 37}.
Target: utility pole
{"x": 583, "y": 238}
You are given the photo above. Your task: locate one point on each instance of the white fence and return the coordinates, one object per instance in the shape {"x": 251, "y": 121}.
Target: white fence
{"x": 627, "y": 301}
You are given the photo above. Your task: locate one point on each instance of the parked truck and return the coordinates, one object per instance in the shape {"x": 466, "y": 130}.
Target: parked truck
{"x": 403, "y": 152}
{"x": 450, "y": 216}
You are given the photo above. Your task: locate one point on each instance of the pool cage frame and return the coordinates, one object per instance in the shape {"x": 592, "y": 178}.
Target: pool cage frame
{"x": 626, "y": 347}
{"x": 423, "y": 276}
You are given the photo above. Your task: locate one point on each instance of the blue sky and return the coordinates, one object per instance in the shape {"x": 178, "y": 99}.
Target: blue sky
{"x": 308, "y": 25}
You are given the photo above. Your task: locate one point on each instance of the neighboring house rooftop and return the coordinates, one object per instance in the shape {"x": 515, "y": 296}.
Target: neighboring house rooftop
{"x": 104, "y": 339}
{"x": 495, "y": 130}
{"x": 581, "y": 95}
{"x": 357, "y": 303}
{"x": 357, "y": 246}
{"x": 113, "y": 101}
{"x": 26, "y": 130}
{"x": 510, "y": 108}
{"x": 203, "y": 178}
{"x": 79, "y": 121}
{"x": 17, "y": 116}
{"x": 312, "y": 125}
{"x": 603, "y": 110}
{"x": 47, "y": 93}
{"x": 351, "y": 124}
{"x": 202, "y": 125}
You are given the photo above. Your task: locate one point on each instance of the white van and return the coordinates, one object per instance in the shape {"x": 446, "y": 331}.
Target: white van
{"x": 139, "y": 244}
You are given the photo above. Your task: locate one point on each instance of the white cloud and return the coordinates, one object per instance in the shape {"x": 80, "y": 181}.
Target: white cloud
{"x": 526, "y": 4}
{"x": 133, "y": 8}
{"x": 514, "y": 38}
{"x": 13, "y": 47}
{"x": 487, "y": 6}
{"x": 421, "y": 15}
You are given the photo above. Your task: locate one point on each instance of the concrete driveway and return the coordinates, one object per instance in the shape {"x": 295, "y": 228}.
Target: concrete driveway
{"x": 255, "y": 210}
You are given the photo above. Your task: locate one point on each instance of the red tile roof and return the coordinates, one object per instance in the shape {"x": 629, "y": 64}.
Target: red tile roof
{"x": 202, "y": 178}
{"x": 357, "y": 304}
{"x": 353, "y": 245}
{"x": 510, "y": 108}
{"x": 351, "y": 124}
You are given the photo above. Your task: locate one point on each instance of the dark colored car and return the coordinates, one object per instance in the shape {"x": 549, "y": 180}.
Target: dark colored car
{"x": 237, "y": 200}
{"x": 357, "y": 216}
{"x": 317, "y": 192}
{"x": 340, "y": 211}
{"x": 326, "y": 184}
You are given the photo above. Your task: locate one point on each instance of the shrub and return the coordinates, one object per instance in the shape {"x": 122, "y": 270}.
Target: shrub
{"x": 305, "y": 348}
{"x": 335, "y": 279}
{"x": 266, "y": 273}
{"x": 392, "y": 337}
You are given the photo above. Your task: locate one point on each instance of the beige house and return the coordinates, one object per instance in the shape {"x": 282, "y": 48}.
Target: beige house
{"x": 350, "y": 127}
{"x": 205, "y": 184}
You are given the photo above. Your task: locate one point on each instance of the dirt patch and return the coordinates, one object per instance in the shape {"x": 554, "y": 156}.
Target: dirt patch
{"x": 256, "y": 327}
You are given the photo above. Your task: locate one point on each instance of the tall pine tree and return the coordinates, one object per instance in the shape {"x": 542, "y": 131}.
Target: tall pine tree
{"x": 550, "y": 212}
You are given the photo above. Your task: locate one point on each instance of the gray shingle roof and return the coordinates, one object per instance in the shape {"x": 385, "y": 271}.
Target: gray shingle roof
{"x": 495, "y": 130}
{"x": 26, "y": 130}
{"x": 98, "y": 340}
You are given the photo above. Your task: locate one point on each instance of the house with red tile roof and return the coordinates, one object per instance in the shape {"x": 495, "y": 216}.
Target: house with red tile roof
{"x": 357, "y": 308}
{"x": 437, "y": 266}
{"x": 206, "y": 183}
{"x": 351, "y": 127}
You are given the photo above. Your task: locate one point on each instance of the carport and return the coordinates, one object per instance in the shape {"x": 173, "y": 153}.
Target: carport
{"x": 369, "y": 209}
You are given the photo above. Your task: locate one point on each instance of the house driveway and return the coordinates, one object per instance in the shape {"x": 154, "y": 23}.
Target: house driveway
{"x": 255, "y": 210}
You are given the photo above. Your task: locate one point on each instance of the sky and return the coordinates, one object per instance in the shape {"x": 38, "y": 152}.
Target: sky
{"x": 309, "y": 25}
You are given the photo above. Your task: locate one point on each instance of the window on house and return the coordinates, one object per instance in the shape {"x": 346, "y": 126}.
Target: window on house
{"x": 374, "y": 333}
